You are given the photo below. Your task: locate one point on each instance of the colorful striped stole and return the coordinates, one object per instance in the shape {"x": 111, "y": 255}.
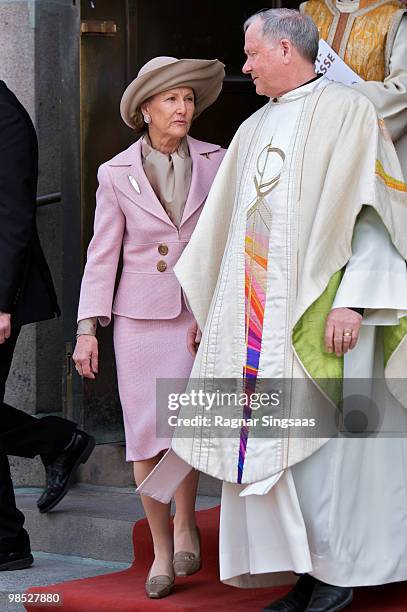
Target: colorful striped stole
{"x": 257, "y": 239}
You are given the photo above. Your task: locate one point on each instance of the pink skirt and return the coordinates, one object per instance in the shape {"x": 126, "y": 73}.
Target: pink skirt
{"x": 146, "y": 350}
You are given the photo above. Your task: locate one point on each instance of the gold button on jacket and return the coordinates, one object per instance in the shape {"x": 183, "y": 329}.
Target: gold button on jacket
{"x": 161, "y": 266}
{"x": 163, "y": 249}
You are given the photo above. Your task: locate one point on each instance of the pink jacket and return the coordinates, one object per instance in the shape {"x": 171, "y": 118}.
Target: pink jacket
{"x": 129, "y": 214}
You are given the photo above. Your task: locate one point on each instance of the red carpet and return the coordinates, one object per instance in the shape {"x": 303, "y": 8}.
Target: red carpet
{"x": 124, "y": 591}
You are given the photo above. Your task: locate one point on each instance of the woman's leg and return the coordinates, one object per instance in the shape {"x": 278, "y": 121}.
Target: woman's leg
{"x": 158, "y": 517}
{"x": 185, "y": 534}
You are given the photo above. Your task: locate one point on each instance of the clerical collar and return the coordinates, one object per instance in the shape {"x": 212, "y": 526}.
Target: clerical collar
{"x": 298, "y": 90}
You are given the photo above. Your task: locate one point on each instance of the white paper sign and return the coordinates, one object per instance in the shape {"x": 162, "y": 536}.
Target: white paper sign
{"x": 333, "y": 67}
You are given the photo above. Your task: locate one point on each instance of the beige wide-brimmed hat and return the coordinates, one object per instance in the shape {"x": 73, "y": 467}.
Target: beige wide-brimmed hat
{"x": 205, "y": 77}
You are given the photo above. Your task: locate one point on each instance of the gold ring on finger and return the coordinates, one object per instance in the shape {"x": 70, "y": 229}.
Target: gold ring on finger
{"x": 347, "y": 334}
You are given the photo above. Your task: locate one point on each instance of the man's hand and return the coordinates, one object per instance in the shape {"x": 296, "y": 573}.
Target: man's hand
{"x": 5, "y": 326}
{"x": 342, "y": 330}
{"x": 194, "y": 336}
{"x": 86, "y": 356}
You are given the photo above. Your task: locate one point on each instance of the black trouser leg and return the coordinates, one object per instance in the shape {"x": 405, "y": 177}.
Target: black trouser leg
{"x": 20, "y": 433}
{"x": 6, "y": 357}
{"x": 13, "y": 537}
{"x": 26, "y": 436}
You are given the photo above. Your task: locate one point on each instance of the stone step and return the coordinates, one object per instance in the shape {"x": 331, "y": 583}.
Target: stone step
{"x": 106, "y": 466}
{"x": 91, "y": 521}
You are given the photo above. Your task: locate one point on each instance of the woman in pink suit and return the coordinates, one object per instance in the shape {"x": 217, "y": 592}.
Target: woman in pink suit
{"x": 148, "y": 202}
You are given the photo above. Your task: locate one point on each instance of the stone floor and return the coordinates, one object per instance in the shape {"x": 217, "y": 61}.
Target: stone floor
{"x": 50, "y": 568}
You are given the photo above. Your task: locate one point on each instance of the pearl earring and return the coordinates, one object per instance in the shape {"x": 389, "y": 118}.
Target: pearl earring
{"x": 147, "y": 118}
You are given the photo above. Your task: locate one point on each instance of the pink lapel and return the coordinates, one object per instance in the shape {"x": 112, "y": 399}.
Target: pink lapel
{"x": 204, "y": 168}
{"x": 146, "y": 199}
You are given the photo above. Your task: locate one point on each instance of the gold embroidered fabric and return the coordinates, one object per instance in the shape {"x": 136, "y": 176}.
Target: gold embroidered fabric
{"x": 321, "y": 15}
{"x": 365, "y": 51}
{"x": 363, "y": 43}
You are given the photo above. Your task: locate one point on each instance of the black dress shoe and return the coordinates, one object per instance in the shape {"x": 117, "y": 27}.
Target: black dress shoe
{"x": 61, "y": 471}
{"x": 15, "y": 560}
{"x": 297, "y": 599}
{"x": 329, "y": 598}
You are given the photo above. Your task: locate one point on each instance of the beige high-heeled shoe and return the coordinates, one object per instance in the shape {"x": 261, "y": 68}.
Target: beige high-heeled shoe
{"x": 187, "y": 563}
{"x": 159, "y": 586}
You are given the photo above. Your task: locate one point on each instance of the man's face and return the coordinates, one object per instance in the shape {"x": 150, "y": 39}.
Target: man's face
{"x": 264, "y": 63}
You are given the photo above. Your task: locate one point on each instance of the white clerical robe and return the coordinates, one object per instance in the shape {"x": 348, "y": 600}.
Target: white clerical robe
{"x": 340, "y": 515}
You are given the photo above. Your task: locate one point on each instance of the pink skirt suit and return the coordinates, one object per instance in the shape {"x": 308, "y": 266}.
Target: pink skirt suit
{"x": 150, "y": 317}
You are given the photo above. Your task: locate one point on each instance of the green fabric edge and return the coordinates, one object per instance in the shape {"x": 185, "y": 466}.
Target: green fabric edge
{"x": 326, "y": 369}
{"x": 393, "y": 335}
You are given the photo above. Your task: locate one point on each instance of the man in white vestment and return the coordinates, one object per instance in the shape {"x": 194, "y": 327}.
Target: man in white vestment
{"x": 296, "y": 271}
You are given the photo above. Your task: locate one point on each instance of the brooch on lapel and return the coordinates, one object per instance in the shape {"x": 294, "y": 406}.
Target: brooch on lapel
{"x": 134, "y": 183}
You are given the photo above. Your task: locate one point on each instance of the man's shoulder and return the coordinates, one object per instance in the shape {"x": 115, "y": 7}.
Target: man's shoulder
{"x": 11, "y": 107}
{"x": 4, "y": 90}
{"x": 344, "y": 94}
{"x": 342, "y": 99}
{"x": 8, "y": 97}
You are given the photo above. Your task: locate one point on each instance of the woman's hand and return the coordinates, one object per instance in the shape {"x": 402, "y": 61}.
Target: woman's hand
{"x": 5, "y": 326}
{"x": 85, "y": 356}
{"x": 194, "y": 336}
{"x": 342, "y": 330}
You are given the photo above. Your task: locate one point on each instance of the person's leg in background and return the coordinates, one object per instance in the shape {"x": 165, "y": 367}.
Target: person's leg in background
{"x": 15, "y": 551}
{"x": 62, "y": 448}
